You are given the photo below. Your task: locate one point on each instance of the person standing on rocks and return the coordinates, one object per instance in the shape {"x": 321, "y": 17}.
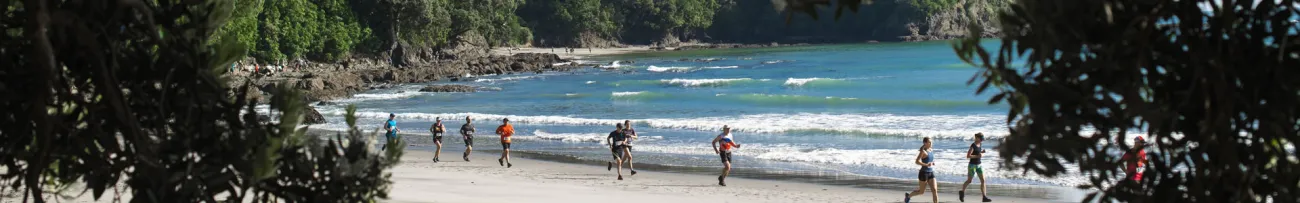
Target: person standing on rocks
{"x": 437, "y": 130}
{"x": 467, "y": 132}
{"x": 505, "y": 131}
{"x": 391, "y": 127}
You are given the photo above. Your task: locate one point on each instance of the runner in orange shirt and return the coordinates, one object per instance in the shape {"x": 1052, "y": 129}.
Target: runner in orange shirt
{"x": 505, "y": 130}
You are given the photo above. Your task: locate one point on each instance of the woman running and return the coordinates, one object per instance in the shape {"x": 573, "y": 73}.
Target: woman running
{"x": 728, "y": 143}
{"x": 437, "y": 130}
{"x": 926, "y": 160}
{"x": 974, "y": 153}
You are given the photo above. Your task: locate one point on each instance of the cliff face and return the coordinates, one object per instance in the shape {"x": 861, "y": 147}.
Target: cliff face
{"x": 954, "y": 22}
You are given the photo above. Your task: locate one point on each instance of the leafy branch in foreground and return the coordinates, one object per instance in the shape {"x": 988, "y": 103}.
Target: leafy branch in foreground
{"x": 132, "y": 91}
{"x": 1212, "y": 83}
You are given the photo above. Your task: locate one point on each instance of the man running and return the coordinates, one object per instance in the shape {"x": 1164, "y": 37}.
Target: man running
{"x": 617, "y": 140}
{"x": 467, "y": 133}
{"x": 437, "y": 130}
{"x": 974, "y": 153}
{"x": 630, "y": 136}
{"x": 391, "y": 127}
{"x": 1135, "y": 159}
{"x": 505, "y": 131}
{"x": 728, "y": 143}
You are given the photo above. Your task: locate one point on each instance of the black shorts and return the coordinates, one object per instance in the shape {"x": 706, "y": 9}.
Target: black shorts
{"x": 726, "y": 157}
{"x": 925, "y": 175}
{"x": 469, "y": 141}
{"x": 505, "y": 146}
{"x": 437, "y": 138}
{"x": 617, "y": 151}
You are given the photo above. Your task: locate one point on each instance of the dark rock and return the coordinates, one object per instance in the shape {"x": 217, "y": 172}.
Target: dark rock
{"x": 448, "y": 88}
{"x": 326, "y": 103}
{"x": 311, "y": 116}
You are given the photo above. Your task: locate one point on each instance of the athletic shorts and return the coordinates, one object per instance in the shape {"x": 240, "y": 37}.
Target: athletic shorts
{"x": 437, "y": 138}
{"x": 973, "y": 169}
{"x": 925, "y": 175}
{"x": 505, "y": 146}
{"x": 617, "y": 151}
{"x": 726, "y": 156}
{"x": 469, "y": 141}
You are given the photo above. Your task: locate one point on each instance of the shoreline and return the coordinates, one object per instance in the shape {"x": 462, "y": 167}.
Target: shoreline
{"x": 534, "y": 179}
{"x": 864, "y": 188}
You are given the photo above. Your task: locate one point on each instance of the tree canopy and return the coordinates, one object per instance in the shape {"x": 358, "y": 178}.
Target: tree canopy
{"x": 134, "y": 92}
{"x": 1210, "y": 83}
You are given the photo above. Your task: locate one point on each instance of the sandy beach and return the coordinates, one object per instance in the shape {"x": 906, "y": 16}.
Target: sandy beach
{"x": 418, "y": 179}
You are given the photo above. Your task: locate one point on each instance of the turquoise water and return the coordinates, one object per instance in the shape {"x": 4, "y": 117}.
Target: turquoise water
{"x": 850, "y": 109}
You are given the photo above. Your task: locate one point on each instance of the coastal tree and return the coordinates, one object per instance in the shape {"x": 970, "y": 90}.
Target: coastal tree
{"x": 132, "y": 92}
{"x": 1211, "y": 83}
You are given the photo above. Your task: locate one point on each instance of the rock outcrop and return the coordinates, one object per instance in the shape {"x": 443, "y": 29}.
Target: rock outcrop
{"x": 311, "y": 116}
{"x": 448, "y": 88}
{"x": 332, "y": 81}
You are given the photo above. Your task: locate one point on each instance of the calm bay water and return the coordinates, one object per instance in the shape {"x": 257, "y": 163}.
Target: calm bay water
{"x": 856, "y": 110}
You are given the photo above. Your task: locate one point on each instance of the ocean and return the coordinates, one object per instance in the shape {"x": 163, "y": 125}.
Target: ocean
{"x": 832, "y": 112}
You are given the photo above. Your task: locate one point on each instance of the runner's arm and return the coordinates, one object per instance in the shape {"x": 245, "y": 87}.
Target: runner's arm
{"x": 970, "y": 153}
{"x": 715, "y": 145}
{"x": 918, "y": 158}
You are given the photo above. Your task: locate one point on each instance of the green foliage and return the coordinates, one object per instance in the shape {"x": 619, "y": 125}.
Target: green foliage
{"x": 934, "y": 6}
{"x": 563, "y": 22}
{"x": 1213, "y": 87}
{"x": 142, "y": 101}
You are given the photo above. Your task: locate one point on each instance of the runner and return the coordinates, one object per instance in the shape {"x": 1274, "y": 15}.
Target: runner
{"x": 505, "y": 131}
{"x": 467, "y": 133}
{"x": 926, "y": 176}
{"x": 728, "y": 142}
{"x": 975, "y": 152}
{"x": 391, "y": 127}
{"x": 1135, "y": 159}
{"x": 437, "y": 130}
{"x": 627, "y": 144}
{"x": 617, "y": 140}
{"x": 613, "y": 151}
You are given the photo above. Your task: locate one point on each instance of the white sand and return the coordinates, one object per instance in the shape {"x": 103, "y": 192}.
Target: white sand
{"x": 417, "y": 179}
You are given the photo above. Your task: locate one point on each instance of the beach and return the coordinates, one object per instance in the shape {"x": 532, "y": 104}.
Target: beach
{"x": 418, "y": 179}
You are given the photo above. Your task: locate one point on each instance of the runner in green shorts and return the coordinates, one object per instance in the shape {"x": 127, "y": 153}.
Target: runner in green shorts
{"x": 975, "y": 152}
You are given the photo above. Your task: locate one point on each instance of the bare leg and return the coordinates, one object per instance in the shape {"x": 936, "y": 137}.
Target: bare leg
{"x": 934, "y": 190}
{"x": 620, "y": 168}
{"x": 627, "y": 154}
{"x": 920, "y": 189}
{"x": 983, "y": 189}
{"x": 437, "y": 152}
{"x": 968, "y": 179}
{"x": 507, "y": 157}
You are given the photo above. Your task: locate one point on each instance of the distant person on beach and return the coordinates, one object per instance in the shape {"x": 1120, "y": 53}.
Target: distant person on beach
{"x": 926, "y": 175}
{"x": 505, "y": 131}
{"x": 616, "y": 140}
{"x": 391, "y": 127}
{"x": 630, "y": 135}
{"x": 437, "y": 130}
{"x": 974, "y": 153}
{"x": 728, "y": 142}
{"x": 467, "y": 133}
{"x": 1135, "y": 159}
